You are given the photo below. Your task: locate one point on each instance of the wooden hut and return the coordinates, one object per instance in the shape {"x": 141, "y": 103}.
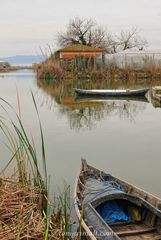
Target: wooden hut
{"x": 78, "y": 50}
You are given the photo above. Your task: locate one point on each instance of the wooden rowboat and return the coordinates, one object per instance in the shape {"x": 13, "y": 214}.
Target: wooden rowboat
{"x": 111, "y": 92}
{"x": 109, "y": 208}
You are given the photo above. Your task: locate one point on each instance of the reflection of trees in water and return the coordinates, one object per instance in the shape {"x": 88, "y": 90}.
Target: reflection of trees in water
{"x": 129, "y": 109}
{"x": 83, "y": 118}
{"x": 45, "y": 100}
{"x": 87, "y": 117}
{"x": 85, "y": 113}
{"x": 49, "y": 95}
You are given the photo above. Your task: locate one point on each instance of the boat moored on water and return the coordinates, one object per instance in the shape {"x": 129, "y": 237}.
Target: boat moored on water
{"x": 111, "y": 92}
{"x": 109, "y": 208}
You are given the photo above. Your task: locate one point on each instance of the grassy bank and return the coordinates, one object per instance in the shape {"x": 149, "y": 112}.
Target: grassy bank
{"x": 26, "y": 210}
{"x": 81, "y": 68}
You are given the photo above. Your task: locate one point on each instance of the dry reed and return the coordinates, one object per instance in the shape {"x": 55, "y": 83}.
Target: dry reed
{"x": 25, "y": 211}
{"x": 82, "y": 68}
{"x": 20, "y": 212}
{"x": 22, "y": 215}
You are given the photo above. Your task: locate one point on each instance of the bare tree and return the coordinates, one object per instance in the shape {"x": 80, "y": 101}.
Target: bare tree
{"x": 129, "y": 39}
{"x": 78, "y": 31}
{"x": 87, "y": 32}
{"x": 101, "y": 38}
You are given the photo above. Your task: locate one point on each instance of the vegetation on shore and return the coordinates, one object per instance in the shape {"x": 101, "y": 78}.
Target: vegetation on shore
{"x": 82, "y": 68}
{"x": 87, "y": 32}
{"x": 26, "y": 211}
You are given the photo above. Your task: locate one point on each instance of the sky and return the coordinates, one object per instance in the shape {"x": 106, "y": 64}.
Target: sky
{"x": 27, "y": 25}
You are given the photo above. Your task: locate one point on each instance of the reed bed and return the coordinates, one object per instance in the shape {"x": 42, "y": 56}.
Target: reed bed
{"x": 22, "y": 215}
{"x": 81, "y": 68}
{"x": 20, "y": 212}
{"x": 25, "y": 210}
{"x": 49, "y": 69}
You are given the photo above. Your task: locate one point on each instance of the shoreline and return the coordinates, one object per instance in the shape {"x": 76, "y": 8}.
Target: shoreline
{"x": 82, "y": 68}
{"x": 14, "y": 68}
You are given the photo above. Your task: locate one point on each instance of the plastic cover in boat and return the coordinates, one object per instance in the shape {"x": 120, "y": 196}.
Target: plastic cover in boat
{"x": 111, "y": 212}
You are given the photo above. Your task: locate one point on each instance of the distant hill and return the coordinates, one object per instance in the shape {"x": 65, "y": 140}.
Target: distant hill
{"x": 24, "y": 59}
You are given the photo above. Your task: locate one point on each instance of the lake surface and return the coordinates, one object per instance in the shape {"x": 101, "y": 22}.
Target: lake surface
{"x": 119, "y": 136}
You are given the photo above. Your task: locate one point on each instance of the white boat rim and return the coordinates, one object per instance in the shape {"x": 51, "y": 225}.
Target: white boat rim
{"x": 110, "y": 90}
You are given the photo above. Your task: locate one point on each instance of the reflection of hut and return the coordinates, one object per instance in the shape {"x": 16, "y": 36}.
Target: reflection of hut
{"x": 73, "y": 103}
{"x": 80, "y": 50}
{"x": 4, "y": 64}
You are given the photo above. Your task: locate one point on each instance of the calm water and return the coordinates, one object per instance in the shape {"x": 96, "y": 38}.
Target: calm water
{"x": 122, "y": 136}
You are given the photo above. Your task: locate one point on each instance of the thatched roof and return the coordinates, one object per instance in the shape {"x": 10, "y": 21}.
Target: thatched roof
{"x": 80, "y": 48}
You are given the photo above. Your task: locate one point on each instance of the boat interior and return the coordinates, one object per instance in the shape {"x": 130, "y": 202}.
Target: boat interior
{"x": 140, "y": 223}
{"x": 142, "y": 210}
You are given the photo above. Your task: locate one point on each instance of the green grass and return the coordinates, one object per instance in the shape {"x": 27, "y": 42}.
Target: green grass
{"x": 21, "y": 144}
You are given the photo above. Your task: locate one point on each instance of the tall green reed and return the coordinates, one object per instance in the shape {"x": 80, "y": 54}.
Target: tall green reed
{"x": 21, "y": 144}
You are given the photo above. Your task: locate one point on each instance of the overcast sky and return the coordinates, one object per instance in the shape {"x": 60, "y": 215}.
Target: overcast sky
{"x": 27, "y": 24}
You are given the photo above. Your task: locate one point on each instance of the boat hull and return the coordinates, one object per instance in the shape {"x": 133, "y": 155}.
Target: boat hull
{"x": 111, "y": 93}
{"x": 92, "y": 223}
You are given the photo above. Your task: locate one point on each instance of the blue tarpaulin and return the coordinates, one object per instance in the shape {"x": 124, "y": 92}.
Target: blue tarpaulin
{"x": 111, "y": 212}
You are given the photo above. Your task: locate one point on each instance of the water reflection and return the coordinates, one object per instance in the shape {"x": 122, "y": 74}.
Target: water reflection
{"x": 124, "y": 147}
{"x": 156, "y": 103}
{"x": 85, "y": 113}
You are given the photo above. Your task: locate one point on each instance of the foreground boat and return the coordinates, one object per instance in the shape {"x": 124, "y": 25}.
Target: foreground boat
{"x": 111, "y": 92}
{"x": 109, "y": 208}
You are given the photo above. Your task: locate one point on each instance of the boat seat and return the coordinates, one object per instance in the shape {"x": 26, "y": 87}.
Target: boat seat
{"x": 135, "y": 232}
{"x": 118, "y": 224}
